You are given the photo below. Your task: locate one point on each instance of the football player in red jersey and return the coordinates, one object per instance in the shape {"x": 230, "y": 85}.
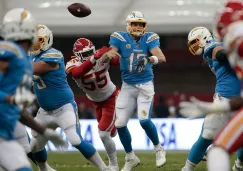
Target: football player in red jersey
{"x": 89, "y": 68}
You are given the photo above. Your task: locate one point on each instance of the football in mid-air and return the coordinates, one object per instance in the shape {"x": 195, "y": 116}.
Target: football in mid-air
{"x": 79, "y": 10}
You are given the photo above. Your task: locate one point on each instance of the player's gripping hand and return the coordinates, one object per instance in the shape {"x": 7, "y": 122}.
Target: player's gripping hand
{"x": 55, "y": 138}
{"x": 101, "y": 52}
{"x": 197, "y": 108}
{"x": 112, "y": 54}
{"x": 23, "y": 97}
{"x": 141, "y": 64}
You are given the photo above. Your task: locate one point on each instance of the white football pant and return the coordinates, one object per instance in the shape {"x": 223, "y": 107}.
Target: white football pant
{"x": 131, "y": 97}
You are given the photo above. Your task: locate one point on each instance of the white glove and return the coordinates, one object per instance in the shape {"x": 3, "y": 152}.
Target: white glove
{"x": 22, "y": 97}
{"x": 197, "y": 108}
{"x": 56, "y": 139}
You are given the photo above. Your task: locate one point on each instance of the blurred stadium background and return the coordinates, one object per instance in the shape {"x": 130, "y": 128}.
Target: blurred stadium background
{"x": 181, "y": 77}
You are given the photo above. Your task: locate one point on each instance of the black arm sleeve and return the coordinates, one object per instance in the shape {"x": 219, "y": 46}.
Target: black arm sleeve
{"x": 221, "y": 55}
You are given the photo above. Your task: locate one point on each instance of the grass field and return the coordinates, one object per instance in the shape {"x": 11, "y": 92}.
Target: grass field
{"x": 74, "y": 161}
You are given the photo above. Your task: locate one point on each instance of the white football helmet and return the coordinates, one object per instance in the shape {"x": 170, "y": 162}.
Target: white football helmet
{"x": 44, "y": 40}
{"x": 19, "y": 24}
{"x": 136, "y": 17}
{"x": 197, "y": 39}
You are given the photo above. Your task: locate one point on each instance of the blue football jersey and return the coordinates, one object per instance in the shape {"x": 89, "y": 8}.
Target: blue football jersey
{"x": 227, "y": 83}
{"x": 52, "y": 89}
{"x": 19, "y": 64}
{"x": 131, "y": 51}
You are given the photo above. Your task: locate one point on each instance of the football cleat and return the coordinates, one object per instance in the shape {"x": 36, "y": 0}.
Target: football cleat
{"x": 130, "y": 163}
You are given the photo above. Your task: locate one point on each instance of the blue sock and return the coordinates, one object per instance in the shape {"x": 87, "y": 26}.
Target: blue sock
{"x": 240, "y": 154}
{"x": 31, "y": 157}
{"x": 41, "y": 156}
{"x": 125, "y": 138}
{"x": 24, "y": 169}
{"x": 198, "y": 150}
{"x": 86, "y": 149}
{"x": 150, "y": 130}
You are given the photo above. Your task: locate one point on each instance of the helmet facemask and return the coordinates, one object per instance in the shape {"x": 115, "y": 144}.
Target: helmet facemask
{"x": 85, "y": 55}
{"x": 44, "y": 40}
{"x": 198, "y": 38}
{"x": 136, "y": 28}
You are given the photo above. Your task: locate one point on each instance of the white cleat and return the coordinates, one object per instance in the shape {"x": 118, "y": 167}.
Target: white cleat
{"x": 114, "y": 168}
{"x": 46, "y": 168}
{"x": 160, "y": 157}
{"x": 237, "y": 167}
{"x": 106, "y": 169}
{"x": 131, "y": 163}
{"x": 184, "y": 169}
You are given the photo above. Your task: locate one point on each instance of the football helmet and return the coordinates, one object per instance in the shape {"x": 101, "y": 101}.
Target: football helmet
{"x": 19, "y": 24}
{"x": 136, "y": 17}
{"x": 197, "y": 39}
{"x": 83, "y": 49}
{"x": 233, "y": 11}
{"x": 44, "y": 40}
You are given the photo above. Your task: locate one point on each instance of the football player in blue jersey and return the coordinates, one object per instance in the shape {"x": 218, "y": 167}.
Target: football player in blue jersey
{"x": 201, "y": 42}
{"x": 139, "y": 51}
{"x": 55, "y": 97}
{"x": 19, "y": 32}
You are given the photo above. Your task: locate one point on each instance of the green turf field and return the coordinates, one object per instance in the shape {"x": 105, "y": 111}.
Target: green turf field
{"x": 74, "y": 161}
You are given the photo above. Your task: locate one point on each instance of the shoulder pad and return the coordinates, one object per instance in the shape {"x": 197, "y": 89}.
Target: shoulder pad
{"x": 11, "y": 47}
{"x": 119, "y": 36}
{"x": 212, "y": 45}
{"x": 152, "y": 36}
{"x": 52, "y": 53}
{"x": 72, "y": 64}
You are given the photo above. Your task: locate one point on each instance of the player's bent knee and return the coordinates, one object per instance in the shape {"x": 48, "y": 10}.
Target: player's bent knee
{"x": 104, "y": 134}
{"x": 73, "y": 136}
{"x": 120, "y": 123}
{"x": 209, "y": 134}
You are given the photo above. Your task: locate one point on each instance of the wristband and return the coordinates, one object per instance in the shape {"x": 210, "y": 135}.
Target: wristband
{"x": 92, "y": 60}
{"x": 156, "y": 60}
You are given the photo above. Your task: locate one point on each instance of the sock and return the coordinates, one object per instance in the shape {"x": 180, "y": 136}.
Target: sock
{"x": 125, "y": 138}
{"x": 110, "y": 147}
{"x": 198, "y": 150}
{"x": 86, "y": 149}
{"x": 157, "y": 147}
{"x": 24, "y": 169}
{"x": 189, "y": 166}
{"x": 218, "y": 160}
{"x": 130, "y": 155}
{"x": 97, "y": 161}
{"x": 41, "y": 156}
{"x": 150, "y": 130}
{"x": 31, "y": 157}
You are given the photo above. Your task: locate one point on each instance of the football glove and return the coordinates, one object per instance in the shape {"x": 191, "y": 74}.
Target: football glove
{"x": 197, "y": 108}
{"x": 141, "y": 64}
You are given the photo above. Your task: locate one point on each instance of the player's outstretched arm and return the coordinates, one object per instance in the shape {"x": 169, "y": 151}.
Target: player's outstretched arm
{"x": 157, "y": 52}
{"x": 50, "y": 134}
{"x": 196, "y": 108}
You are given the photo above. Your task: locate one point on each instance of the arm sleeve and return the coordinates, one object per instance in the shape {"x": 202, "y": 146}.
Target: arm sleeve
{"x": 84, "y": 68}
{"x": 115, "y": 61}
{"x": 153, "y": 41}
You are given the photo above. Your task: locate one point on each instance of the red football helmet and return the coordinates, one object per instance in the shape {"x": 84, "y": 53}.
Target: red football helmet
{"x": 230, "y": 13}
{"x": 83, "y": 49}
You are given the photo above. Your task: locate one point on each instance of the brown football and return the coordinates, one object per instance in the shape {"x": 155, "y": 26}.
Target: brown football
{"x": 79, "y": 10}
